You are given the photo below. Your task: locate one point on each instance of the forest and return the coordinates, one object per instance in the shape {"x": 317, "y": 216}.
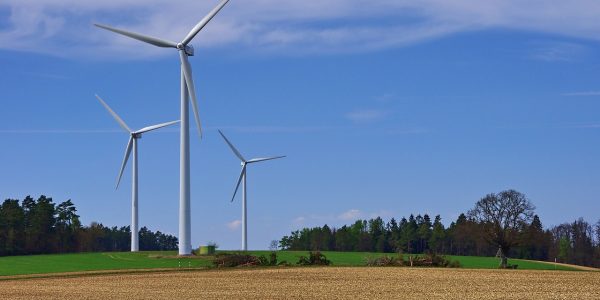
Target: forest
{"x": 576, "y": 242}
{"x": 43, "y": 227}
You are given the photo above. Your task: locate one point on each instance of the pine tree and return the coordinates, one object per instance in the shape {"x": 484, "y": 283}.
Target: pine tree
{"x": 438, "y": 236}
{"x": 424, "y": 233}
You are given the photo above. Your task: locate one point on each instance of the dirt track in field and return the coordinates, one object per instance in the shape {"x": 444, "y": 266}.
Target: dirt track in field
{"x": 315, "y": 283}
{"x": 581, "y": 268}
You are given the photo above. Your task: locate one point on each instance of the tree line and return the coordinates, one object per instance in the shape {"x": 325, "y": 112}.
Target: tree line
{"x": 42, "y": 227}
{"x": 502, "y": 224}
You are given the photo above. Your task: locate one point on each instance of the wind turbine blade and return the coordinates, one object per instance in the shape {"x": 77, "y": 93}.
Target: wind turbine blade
{"x": 189, "y": 80}
{"x": 127, "y": 154}
{"x": 140, "y": 37}
{"x": 264, "y": 159}
{"x": 203, "y": 22}
{"x": 237, "y": 186}
{"x": 154, "y": 127}
{"x": 235, "y": 151}
{"x": 114, "y": 114}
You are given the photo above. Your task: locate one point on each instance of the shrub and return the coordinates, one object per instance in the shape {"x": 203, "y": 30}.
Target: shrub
{"x": 241, "y": 259}
{"x": 454, "y": 264}
{"x": 270, "y": 261}
{"x": 263, "y": 261}
{"x": 427, "y": 260}
{"x": 284, "y": 263}
{"x": 315, "y": 259}
{"x": 442, "y": 261}
{"x": 432, "y": 260}
{"x": 235, "y": 260}
{"x": 383, "y": 261}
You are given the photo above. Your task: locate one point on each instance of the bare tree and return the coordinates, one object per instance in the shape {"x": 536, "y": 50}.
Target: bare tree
{"x": 598, "y": 234}
{"x": 503, "y": 216}
{"x": 274, "y": 245}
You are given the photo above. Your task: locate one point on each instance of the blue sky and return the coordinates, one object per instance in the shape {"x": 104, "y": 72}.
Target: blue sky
{"x": 387, "y": 108}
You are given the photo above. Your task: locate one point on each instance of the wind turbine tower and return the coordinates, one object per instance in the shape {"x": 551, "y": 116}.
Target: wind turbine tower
{"x": 244, "y": 190}
{"x": 187, "y": 90}
{"x": 132, "y": 146}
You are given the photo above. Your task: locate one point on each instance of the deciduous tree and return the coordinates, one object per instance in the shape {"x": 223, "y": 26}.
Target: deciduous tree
{"x": 503, "y": 216}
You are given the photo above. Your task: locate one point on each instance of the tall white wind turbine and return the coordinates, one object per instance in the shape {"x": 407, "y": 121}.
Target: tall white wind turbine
{"x": 244, "y": 191}
{"x": 132, "y": 146}
{"x": 187, "y": 90}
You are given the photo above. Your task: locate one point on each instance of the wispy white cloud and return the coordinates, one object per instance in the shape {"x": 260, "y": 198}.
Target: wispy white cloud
{"x": 558, "y": 51}
{"x": 59, "y": 131}
{"x": 582, "y": 94}
{"x": 367, "y": 115}
{"x": 299, "y": 220}
{"x": 47, "y": 75}
{"x": 76, "y": 131}
{"x": 404, "y": 131}
{"x": 350, "y": 215}
{"x": 356, "y": 214}
{"x": 385, "y": 98}
{"x": 589, "y": 126}
{"x": 272, "y": 129}
{"x": 339, "y": 219}
{"x": 583, "y": 126}
{"x": 63, "y": 27}
{"x": 234, "y": 225}
{"x": 250, "y": 128}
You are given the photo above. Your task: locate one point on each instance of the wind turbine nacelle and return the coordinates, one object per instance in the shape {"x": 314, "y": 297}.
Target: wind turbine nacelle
{"x": 189, "y": 50}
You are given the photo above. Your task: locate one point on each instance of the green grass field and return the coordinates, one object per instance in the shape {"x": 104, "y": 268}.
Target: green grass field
{"x": 470, "y": 262}
{"x": 61, "y": 263}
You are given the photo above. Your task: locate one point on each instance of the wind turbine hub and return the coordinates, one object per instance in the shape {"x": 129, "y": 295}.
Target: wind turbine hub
{"x": 189, "y": 49}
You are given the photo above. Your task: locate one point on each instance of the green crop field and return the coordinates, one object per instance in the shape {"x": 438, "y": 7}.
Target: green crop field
{"x": 61, "y": 263}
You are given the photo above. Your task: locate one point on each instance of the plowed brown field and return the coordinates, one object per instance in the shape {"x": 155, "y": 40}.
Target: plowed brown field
{"x": 315, "y": 283}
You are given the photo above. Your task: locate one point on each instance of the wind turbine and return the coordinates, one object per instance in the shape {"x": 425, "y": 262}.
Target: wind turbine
{"x": 187, "y": 90}
{"x": 243, "y": 177}
{"x": 132, "y": 146}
